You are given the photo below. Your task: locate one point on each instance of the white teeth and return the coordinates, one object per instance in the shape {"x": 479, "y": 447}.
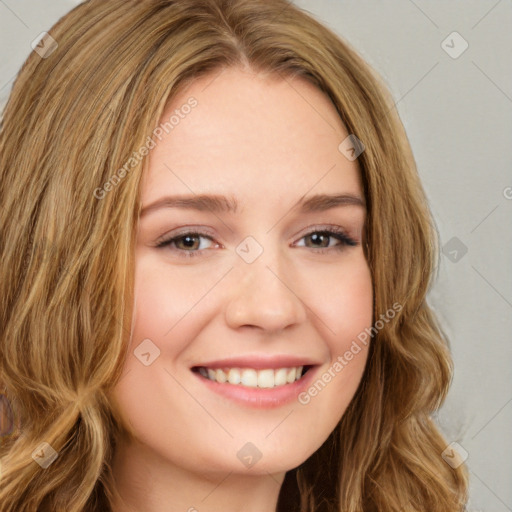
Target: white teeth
{"x": 249, "y": 378}
{"x": 280, "y": 377}
{"x": 220, "y": 376}
{"x": 234, "y": 376}
{"x": 267, "y": 378}
{"x": 290, "y": 376}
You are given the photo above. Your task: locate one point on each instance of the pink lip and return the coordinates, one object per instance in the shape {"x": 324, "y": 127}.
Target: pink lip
{"x": 261, "y": 398}
{"x": 259, "y": 362}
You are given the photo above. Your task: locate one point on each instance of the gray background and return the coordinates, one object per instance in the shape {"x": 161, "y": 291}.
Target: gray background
{"x": 458, "y": 116}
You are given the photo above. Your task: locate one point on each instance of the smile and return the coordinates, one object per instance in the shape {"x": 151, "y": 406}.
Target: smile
{"x": 252, "y": 378}
{"x": 261, "y": 381}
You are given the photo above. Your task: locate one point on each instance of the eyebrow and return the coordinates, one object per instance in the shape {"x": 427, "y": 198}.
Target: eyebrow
{"x": 220, "y": 203}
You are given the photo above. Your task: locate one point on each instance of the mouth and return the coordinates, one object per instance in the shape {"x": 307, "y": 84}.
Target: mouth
{"x": 263, "y": 378}
{"x": 262, "y": 381}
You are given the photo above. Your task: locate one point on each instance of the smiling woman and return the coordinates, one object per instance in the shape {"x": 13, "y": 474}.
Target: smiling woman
{"x": 239, "y": 321}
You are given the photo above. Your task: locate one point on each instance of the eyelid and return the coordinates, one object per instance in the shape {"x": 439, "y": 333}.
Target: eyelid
{"x": 186, "y": 230}
{"x": 334, "y": 231}
{"x": 338, "y": 230}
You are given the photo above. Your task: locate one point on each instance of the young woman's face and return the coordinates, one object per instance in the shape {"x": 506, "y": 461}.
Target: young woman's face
{"x": 251, "y": 293}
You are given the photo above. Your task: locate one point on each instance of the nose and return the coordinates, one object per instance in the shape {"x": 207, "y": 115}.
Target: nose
{"x": 266, "y": 296}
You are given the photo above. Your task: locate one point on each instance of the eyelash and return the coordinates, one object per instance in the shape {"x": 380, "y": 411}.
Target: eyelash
{"x": 332, "y": 232}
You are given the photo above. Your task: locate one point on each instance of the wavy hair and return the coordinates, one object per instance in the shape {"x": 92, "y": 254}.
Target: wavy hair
{"x": 76, "y": 115}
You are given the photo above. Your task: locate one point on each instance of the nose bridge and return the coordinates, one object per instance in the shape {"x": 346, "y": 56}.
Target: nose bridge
{"x": 264, "y": 294}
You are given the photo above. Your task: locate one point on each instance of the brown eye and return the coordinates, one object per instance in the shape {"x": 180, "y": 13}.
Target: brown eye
{"x": 320, "y": 239}
{"x": 189, "y": 242}
{"x": 186, "y": 244}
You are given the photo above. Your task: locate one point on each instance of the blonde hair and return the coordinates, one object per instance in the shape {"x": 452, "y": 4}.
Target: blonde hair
{"x": 74, "y": 118}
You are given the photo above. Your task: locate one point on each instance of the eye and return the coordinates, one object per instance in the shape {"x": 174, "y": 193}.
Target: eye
{"x": 321, "y": 239}
{"x": 188, "y": 243}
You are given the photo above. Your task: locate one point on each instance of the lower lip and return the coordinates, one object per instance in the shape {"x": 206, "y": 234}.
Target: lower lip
{"x": 262, "y": 398}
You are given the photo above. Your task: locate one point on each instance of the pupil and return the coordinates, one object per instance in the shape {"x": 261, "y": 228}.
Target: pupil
{"x": 189, "y": 241}
{"x": 317, "y": 237}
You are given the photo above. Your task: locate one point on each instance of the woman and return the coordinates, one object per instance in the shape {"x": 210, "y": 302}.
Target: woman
{"x": 215, "y": 254}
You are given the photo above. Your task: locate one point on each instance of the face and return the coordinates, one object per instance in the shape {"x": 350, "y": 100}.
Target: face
{"x": 250, "y": 287}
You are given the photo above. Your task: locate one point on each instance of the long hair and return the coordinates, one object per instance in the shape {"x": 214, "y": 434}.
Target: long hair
{"x": 82, "y": 105}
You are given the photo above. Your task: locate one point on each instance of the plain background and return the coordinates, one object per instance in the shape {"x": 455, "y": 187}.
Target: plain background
{"x": 457, "y": 110}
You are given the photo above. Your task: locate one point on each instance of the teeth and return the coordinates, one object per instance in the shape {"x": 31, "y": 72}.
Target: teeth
{"x": 234, "y": 376}
{"x": 220, "y": 376}
{"x": 249, "y": 377}
{"x": 280, "y": 377}
{"x": 266, "y": 379}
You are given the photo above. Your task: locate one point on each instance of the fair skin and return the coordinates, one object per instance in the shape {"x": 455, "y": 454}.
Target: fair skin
{"x": 266, "y": 142}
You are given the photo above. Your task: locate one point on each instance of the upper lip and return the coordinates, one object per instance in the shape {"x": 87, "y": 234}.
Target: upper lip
{"x": 258, "y": 362}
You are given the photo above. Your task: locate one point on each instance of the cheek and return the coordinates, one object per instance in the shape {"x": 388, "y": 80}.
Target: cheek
{"x": 149, "y": 397}
{"x": 342, "y": 300}
{"x": 345, "y": 313}
{"x": 354, "y": 305}
{"x": 165, "y": 303}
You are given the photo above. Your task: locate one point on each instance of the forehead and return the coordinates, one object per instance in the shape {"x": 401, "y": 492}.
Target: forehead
{"x": 252, "y": 135}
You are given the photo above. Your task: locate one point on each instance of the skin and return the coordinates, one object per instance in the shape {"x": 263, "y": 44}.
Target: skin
{"x": 268, "y": 142}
